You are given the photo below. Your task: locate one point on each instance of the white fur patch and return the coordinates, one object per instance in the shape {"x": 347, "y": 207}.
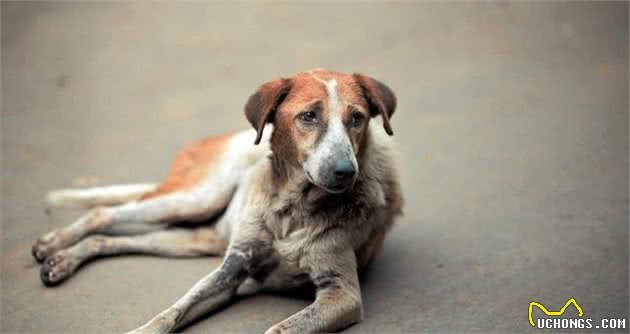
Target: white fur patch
{"x": 89, "y": 197}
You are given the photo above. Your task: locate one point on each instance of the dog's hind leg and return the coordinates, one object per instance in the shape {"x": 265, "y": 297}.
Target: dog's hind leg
{"x": 97, "y": 196}
{"x": 177, "y": 242}
{"x": 165, "y": 209}
{"x": 200, "y": 186}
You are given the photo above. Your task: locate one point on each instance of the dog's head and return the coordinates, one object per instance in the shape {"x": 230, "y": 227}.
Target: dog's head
{"x": 320, "y": 122}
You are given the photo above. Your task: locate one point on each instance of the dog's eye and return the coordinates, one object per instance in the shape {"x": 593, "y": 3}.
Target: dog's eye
{"x": 357, "y": 119}
{"x": 309, "y": 117}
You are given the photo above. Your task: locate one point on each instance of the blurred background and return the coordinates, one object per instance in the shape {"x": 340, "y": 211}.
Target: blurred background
{"x": 512, "y": 131}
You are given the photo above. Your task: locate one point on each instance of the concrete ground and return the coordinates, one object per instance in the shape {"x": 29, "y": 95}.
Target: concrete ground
{"x": 512, "y": 129}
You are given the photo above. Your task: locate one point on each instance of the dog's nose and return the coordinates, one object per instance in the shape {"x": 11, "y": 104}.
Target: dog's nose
{"x": 344, "y": 170}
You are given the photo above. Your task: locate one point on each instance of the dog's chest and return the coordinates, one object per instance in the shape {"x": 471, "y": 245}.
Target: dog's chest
{"x": 297, "y": 227}
{"x": 291, "y": 235}
{"x": 292, "y": 239}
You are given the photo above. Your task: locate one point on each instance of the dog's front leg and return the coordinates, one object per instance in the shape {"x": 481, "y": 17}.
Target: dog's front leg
{"x": 338, "y": 301}
{"x": 211, "y": 291}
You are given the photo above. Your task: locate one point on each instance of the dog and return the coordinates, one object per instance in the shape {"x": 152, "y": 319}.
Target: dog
{"x": 309, "y": 204}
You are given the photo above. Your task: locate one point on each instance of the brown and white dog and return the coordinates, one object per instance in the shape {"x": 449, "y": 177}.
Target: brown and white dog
{"x": 310, "y": 204}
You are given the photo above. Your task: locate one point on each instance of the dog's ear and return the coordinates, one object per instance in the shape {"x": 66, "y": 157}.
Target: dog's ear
{"x": 380, "y": 98}
{"x": 261, "y": 106}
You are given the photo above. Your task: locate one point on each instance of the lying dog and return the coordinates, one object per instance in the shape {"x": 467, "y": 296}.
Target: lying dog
{"x": 310, "y": 204}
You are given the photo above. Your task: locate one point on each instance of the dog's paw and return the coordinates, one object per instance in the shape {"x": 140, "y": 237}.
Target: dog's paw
{"x": 46, "y": 245}
{"x": 58, "y": 267}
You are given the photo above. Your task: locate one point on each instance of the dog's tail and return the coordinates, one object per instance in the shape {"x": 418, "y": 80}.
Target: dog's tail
{"x": 97, "y": 196}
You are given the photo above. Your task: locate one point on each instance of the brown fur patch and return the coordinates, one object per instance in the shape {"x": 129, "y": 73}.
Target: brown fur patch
{"x": 191, "y": 166}
{"x": 261, "y": 106}
{"x": 381, "y": 98}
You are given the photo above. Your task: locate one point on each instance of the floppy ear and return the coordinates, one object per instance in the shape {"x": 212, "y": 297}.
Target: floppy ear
{"x": 261, "y": 106}
{"x": 380, "y": 98}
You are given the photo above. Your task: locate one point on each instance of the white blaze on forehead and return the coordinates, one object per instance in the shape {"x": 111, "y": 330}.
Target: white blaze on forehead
{"x": 334, "y": 104}
{"x": 336, "y": 130}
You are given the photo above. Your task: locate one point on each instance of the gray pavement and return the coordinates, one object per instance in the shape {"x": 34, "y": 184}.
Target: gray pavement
{"x": 512, "y": 129}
